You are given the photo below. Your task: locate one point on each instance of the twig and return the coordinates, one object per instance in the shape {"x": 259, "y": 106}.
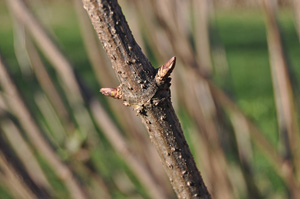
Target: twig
{"x": 147, "y": 90}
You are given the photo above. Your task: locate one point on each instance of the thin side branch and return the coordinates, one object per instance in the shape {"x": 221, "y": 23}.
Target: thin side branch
{"x": 147, "y": 91}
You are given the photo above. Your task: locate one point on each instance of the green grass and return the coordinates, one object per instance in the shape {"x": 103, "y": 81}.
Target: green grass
{"x": 4, "y": 192}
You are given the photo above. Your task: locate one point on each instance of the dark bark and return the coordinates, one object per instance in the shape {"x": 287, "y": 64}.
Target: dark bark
{"x": 147, "y": 91}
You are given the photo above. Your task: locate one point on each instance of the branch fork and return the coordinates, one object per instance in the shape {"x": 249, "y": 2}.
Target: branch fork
{"x": 162, "y": 79}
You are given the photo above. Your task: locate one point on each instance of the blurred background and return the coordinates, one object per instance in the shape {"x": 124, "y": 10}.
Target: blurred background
{"x": 235, "y": 90}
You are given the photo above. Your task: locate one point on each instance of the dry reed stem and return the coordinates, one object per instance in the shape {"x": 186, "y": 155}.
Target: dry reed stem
{"x": 285, "y": 106}
{"x": 174, "y": 32}
{"x": 25, "y": 153}
{"x": 18, "y": 169}
{"x": 17, "y": 105}
{"x": 16, "y": 186}
{"x": 223, "y": 189}
{"x": 282, "y": 86}
{"x": 202, "y": 37}
{"x": 257, "y": 136}
{"x": 97, "y": 186}
{"x": 242, "y": 134}
{"x": 55, "y": 98}
{"x": 48, "y": 86}
{"x": 61, "y": 65}
{"x": 203, "y": 109}
{"x": 55, "y": 131}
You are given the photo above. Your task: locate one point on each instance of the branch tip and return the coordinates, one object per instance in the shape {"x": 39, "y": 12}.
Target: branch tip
{"x": 112, "y": 92}
{"x": 165, "y": 70}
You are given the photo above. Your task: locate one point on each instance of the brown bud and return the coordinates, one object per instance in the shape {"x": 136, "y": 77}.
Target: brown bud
{"x": 165, "y": 70}
{"x": 112, "y": 92}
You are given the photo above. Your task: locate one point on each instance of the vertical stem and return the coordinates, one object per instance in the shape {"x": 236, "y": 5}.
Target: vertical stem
{"x": 148, "y": 92}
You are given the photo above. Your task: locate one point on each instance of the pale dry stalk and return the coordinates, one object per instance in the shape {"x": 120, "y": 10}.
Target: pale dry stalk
{"x": 15, "y": 184}
{"x": 283, "y": 94}
{"x": 19, "y": 108}
{"x": 48, "y": 85}
{"x": 25, "y": 153}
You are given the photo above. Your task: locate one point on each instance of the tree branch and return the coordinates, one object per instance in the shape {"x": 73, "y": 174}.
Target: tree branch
{"x": 147, "y": 91}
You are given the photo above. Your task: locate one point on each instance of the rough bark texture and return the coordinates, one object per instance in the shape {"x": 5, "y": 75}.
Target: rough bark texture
{"x": 147, "y": 91}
